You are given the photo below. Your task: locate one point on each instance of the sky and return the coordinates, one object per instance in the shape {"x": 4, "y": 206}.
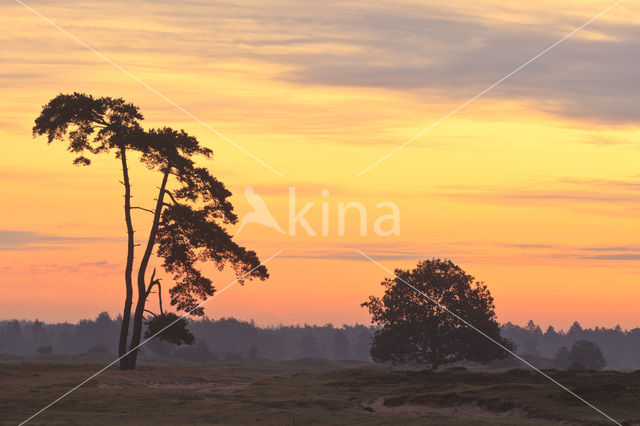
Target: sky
{"x": 531, "y": 188}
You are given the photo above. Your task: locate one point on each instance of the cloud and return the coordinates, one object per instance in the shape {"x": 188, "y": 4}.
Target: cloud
{"x": 535, "y": 196}
{"x": 428, "y": 50}
{"x": 28, "y": 240}
{"x": 612, "y": 248}
{"x": 353, "y": 255}
{"x": 615, "y": 253}
{"x": 301, "y": 189}
{"x": 387, "y": 250}
{"x": 580, "y": 253}
{"x": 424, "y": 50}
{"x": 530, "y": 246}
{"x": 97, "y": 268}
{"x": 461, "y": 252}
{"x": 625, "y": 184}
{"x": 607, "y": 141}
{"x": 567, "y": 191}
{"x": 619, "y": 256}
{"x": 489, "y": 253}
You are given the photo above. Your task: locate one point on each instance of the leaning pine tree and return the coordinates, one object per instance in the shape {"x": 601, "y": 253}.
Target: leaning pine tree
{"x": 187, "y": 225}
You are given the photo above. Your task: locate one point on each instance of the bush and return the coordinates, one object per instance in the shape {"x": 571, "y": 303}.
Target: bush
{"x": 170, "y": 328}
{"x": 562, "y": 361}
{"x": 586, "y": 355}
{"x": 45, "y": 350}
{"x": 199, "y": 352}
{"x": 98, "y": 349}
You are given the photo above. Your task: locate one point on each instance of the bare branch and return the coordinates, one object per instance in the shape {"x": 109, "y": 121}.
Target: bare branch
{"x": 153, "y": 282}
{"x": 142, "y": 208}
{"x": 159, "y": 296}
{"x": 171, "y": 196}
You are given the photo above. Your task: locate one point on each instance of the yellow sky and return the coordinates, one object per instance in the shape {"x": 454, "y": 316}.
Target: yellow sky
{"x": 532, "y": 188}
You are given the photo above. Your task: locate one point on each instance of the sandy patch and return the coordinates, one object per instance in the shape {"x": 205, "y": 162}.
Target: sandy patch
{"x": 464, "y": 409}
{"x": 108, "y": 386}
{"x": 204, "y": 387}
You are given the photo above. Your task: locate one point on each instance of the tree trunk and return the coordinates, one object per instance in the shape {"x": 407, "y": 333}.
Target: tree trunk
{"x": 435, "y": 355}
{"x": 128, "y": 271}
{"x": 142, "y": 294}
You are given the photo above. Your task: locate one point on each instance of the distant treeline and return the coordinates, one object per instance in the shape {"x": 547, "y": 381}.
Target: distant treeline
{"x": 229, "y": 339}
{"x": 621, "y": 347}
{"x": 222, "y": 339}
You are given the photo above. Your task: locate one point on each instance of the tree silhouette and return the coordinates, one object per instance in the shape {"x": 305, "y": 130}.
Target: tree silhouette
{"x": 173, "y": 328}
{"x": 586, "y": 355}
{"x": 531, "y": 347}
{"x": 575, "y": 328}
{"x": 340, "y": 345}
{"x": 39, "y": 335}
{"x": 253, "y": 352}
{"x": 97, "y": 126}
{"x": 11, "y": 337}
{"x": 417, "y": 331}
{"x": 362, "y": 345}
{"x": 45, "y": 350}
{"x": 189, "y": 215}
{"x": 561, "y": 359}
{"x": 308, "y": 345}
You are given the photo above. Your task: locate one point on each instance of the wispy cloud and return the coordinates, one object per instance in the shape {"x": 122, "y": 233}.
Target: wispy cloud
{"x": 28, "y": 240}
{"x": 618, "y": 256}
{"x": 352, "y": 255}
{"x": 580, "y": 253}
{"x": 100, "y": 267}
{"x": 49, "y": 178}
{"x": 465, "y": 252}
{"x": 566, "y": 191}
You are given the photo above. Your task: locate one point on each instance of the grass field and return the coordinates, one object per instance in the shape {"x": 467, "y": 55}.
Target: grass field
{"x": 310, "y": 391}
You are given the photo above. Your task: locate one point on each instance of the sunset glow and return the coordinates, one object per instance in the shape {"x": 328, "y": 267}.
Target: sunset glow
{"x": 532, "y": 188}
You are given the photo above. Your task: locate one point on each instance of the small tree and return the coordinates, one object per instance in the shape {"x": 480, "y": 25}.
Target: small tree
{"x": 253, "y": 352}
{"x": 173, "y": 328}
{"x": 531, "y": 347}
{"x": 98, "y": 349}
{"x": 561, "y": 359}
{"x": 39, "y": 335}
{"x": 308, "y": 345}
{"x": 340, "y": 345}
{"x": 199, "y": 352}
{"x": 586, "y": 355}
{"x": 188, "y": 219}
{"x": 417, "y": 331}
{"x": 45, "y": 350}
{"x": 362, "y": 346}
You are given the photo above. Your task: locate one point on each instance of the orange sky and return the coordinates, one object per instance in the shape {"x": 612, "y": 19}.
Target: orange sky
{"x": 532, "y": 188}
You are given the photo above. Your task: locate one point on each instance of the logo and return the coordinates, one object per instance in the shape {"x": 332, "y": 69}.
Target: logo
{"x": 260, "y": 214}
{"x": 384, "y": 225}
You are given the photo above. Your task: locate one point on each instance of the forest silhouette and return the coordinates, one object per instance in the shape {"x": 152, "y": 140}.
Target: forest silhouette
{"x": 228, "y": 339}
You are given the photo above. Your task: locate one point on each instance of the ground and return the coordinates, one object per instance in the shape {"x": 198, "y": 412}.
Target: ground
{"x": 309, "y": 391}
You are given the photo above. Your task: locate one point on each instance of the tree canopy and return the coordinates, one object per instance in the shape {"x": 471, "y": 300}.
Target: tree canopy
{"x": 414, "y": 330}
{"x": 93, "y": 125}
{"x": 586, "y": 355}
